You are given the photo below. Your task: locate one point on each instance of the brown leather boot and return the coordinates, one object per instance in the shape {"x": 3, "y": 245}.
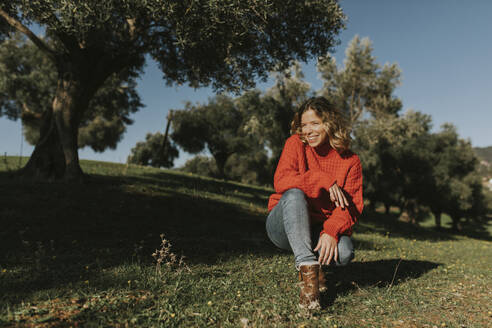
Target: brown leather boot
{"x": 308, "y": 276}
{"x": 321, "y": 280}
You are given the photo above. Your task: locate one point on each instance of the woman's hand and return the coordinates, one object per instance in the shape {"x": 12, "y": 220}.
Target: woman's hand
{"x": 337, "y": 196}
{"x": 328, "y": 249}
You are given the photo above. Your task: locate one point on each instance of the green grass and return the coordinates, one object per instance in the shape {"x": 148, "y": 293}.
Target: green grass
{"x": 82, "y": 255}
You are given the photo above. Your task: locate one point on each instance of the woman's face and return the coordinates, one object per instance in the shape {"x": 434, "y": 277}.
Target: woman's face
{"x": 312, "y": 128}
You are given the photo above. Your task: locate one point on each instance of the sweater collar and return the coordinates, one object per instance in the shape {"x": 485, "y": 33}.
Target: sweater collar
{"x": 323, "y": 150}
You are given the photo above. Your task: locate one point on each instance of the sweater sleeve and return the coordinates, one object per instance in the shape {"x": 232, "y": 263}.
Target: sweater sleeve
{"x": 290, "y": 175}
{"x": 342, "y": 220}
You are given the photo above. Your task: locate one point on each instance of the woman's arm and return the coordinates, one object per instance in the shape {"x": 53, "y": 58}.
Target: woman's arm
{"x": 292, "y": 173}
{"x": 342, "y": 219}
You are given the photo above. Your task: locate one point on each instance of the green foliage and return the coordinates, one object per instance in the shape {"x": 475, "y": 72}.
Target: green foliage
{"x": 270, "y": 115}
{"x": 201, "y": 165}
{"x": 488, "y": 201}
{"x": 395, "y": 159}
{"x": 361, "y": 85}
{"x": 27, "y": 79}
{"x": 153, "y": 152}
{"x": 238, "y": 131}
{"x": 407, "y": 166}
{"x": 251, "y": 168}
{"x": 28, "y": 82}
{"x": 457, "y": 188}
{"x": 216, "y": 126}
{"x": 225, "y": 44}
{"x": 485, "y": 156}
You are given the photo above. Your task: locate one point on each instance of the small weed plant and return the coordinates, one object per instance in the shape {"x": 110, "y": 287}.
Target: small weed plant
{"x": 165, "y": 257}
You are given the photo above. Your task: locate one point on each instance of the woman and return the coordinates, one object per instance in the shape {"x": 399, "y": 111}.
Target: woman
{"x": 318, "y": 185}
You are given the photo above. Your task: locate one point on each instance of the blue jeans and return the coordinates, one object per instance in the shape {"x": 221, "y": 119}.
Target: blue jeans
{"x": 288, "y": 227}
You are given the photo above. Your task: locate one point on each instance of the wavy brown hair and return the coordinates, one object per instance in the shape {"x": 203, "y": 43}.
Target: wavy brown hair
{"x": 334, "y": 123}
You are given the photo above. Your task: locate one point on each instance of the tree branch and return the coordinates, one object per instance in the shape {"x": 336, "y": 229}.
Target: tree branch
{"x": 28, "y": 115}
{"x": 131, "y": 27}
{"x": 23, "y": 29}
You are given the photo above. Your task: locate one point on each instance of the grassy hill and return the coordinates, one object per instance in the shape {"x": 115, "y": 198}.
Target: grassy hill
{"x": 484, "y": 153}
{"x": 82, "y": 255}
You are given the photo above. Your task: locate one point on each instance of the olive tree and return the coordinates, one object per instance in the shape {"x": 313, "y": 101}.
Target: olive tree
{"x": 361, "y": 85}
{"x": 457, "y": 189}
{"x": 155, "y": 151}
{"x": 227, "y": 44}
{"x": 215, "y": 126}
{"x": 395, "y": 154}
{"x": 28, "y": 83}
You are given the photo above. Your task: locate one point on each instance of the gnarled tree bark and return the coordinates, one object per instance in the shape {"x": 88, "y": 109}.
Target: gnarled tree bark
{"x": 47, "y": 160}
{"x": 55, "y": 156}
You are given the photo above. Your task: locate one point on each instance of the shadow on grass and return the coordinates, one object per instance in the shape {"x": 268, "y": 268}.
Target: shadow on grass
{"x": 204, "y": 184}
{"x": 474, "y": 229}
{"x": 389, "y": 223}
{"x": 381, "y": 274}
{"x": 57, "y": 234}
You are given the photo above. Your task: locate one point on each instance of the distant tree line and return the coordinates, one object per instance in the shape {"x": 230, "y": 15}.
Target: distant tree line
{"x": 405, "y": 164}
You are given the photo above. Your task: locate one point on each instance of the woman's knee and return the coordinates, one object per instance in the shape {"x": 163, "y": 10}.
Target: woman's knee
{"x": 275, "y": 229}
{"x": 345, "y": 251}
{"x": 294, "y": 194}
{"x": 345, "y": 259}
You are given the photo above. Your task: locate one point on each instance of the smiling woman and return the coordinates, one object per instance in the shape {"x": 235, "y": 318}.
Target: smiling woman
{"x": 318, "y": 121}
{"x": 318, "y": 185}
{"x": 312, "y": 128}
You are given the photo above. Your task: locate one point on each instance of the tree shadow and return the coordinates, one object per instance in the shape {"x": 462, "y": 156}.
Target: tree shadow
{"x": 54, "y": 231}
{"x": 211, "y": 185}
{"x": 389, "y": 224}
{"x": 474, "y": 229}
{"x": 380, "y": 274}
{"x": 383, "y": 223}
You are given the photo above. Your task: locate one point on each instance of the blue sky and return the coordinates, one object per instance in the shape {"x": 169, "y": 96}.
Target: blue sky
{"x": 442, "y": 47}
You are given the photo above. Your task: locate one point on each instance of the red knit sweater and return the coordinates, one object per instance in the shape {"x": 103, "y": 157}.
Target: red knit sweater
{"x": 314, "y": 171}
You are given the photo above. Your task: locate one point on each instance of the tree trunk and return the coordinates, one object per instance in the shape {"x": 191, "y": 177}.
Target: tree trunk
{"x": 47, "y": 160}
{"x": 220, "y": 161}
{"x": 456, "y": 223}
{"x": 387, "y": 208}
{"x": 437, "y": 219}
{"x": 67, "y": 106}
{"x": 55, "y": 156}
{"x": 410, "y": 208}
{"x": 163, "y": 149}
